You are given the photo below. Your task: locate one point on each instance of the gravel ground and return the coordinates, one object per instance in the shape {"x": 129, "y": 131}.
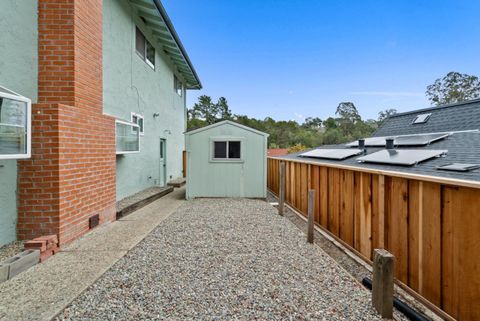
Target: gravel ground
{"x": 222, "y": 260}
{"x": 11, "y": 249}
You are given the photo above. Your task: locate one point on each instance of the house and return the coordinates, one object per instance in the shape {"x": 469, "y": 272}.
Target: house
{"x": 226, "y": 159}
{"x": 412, "y": 188}
{"x": 277, "y": 151}
{"x": 107, "y": 81}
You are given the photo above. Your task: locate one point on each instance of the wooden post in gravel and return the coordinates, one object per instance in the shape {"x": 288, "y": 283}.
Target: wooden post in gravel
{"x": 281, "y": 192}
{"x": 382, "y": 285}
{"x": 311, "y": 210}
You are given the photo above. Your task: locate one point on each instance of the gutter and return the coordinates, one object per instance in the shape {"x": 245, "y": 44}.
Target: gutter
{"x": 171, "y": 28}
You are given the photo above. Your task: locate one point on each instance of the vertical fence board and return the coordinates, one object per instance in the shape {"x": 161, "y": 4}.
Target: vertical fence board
{"x": 346, "y": 183}
{"x": 415, "y": 220}
{"x": 323, "y": 206}
{"x": 363, "y": 214}
{"x": 334, "y": 201}
{"x": 396, "y": 207}
{"x": 315, "y": 181}
{"x": 430, "y": 285}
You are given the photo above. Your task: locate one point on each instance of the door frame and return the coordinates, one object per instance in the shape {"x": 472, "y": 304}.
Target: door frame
{"x": 163, "y": 143}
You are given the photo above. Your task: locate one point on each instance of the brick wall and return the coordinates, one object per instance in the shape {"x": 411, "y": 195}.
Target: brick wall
{"x": 71, "y": 174}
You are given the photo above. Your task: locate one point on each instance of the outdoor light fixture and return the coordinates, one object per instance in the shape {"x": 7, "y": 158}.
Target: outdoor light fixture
{"x": 155, "y": 115}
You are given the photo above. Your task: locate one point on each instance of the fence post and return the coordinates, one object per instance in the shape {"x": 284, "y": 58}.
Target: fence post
{"x": 281, "y": 192}
{"x": 382, "y": 284}
{"x": 311, "y": 210}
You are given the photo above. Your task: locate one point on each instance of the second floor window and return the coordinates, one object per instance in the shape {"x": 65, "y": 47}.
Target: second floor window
{"x": 144, "y": 48}
{"x": 178, "y": 86}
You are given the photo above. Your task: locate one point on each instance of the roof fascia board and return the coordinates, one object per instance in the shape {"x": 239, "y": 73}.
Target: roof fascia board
{"x": 223, "y": 122}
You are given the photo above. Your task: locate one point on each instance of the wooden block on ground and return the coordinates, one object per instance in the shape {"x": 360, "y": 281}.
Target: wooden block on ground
{"x": 382, "y": 287}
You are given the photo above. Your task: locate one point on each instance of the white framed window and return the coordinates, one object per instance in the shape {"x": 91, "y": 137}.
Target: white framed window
{"x": 177, "y": 85}
{"x": 15, "y": 125}
{"x": 144, "y": 48}
{"x": 226, "y": 149}
{"x": 127, "y": 137}
{"x": 139, "y": 120}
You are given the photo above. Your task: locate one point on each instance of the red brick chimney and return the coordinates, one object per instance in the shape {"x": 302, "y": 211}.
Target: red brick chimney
{"x": 71, "y": 175}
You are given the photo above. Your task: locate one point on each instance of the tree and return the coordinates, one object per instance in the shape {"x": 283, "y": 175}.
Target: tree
{"x": 206, "y": 112}
{"x": 314, "y": 123}
{"x": 349, "y": 117}
{"x": 385, "y": 114}
{"x": 454, "y": 87}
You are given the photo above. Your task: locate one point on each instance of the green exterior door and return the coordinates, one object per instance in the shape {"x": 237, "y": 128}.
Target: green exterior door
{"x": 163, "y": 162}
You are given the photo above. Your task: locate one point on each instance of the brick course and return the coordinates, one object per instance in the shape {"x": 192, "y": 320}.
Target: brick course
{"x": 71, "y": 174}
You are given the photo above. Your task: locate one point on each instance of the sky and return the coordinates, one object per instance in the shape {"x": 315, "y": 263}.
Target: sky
{"x": 291, "y": 59}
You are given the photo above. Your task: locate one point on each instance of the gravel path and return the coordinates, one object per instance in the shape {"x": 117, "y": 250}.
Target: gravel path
{"x": 222, "y": 260}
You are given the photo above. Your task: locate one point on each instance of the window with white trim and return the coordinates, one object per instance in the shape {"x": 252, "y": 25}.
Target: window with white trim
{"x": 144, "y": 48}
{"x": 227, "y": 150}
{"x": 15, "y": 125}
{"x": 127, "y": 137}
{"x": 139, "y": 120}
{"x": 177, "y": 85}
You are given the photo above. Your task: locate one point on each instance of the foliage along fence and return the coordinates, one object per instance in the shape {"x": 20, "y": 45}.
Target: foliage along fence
{"x": 433, "y": 229}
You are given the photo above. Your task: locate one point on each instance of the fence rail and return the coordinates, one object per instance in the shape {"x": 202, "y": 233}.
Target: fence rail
{"x": 433, "y": 229}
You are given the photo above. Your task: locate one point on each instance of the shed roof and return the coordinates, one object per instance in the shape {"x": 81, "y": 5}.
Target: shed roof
{"x": 156, "y": 19}
{"x": 226, "y": 122}
{"x": 461, "y": 121}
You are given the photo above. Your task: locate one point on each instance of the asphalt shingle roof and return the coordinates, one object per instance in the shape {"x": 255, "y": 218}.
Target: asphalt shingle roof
{"x": 463, "y": 147}
{"x": 454, "y": 117}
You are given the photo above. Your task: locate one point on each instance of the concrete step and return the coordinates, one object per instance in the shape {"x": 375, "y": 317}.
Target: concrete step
{"x": 177, "y": 182}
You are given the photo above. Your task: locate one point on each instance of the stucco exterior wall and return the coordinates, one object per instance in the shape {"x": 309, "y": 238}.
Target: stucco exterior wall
{"x": 130, "y": 85}
{"x": 206, "y": 178}
{"x": 18, "y": 72}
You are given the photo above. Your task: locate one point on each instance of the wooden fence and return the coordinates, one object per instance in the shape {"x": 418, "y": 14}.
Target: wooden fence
{"x": 433, "y": 229}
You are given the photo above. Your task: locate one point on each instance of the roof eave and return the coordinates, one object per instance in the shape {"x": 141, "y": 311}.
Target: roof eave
{"x": 175, "y": 36}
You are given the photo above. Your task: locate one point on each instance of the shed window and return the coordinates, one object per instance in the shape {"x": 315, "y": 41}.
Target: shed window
{"x": 144, "y": 48}
{"x": 15, "y": 124}
{"x": 227, "y": 150}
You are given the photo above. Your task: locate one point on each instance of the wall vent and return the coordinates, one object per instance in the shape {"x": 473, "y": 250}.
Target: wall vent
{"x": 93, "y": 221}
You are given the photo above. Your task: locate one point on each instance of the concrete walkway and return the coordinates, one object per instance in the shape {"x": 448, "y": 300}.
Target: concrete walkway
{"x": 43, "y": 291}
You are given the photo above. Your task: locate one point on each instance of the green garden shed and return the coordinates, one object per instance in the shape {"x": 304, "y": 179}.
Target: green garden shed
{"x": 226, "y": 159}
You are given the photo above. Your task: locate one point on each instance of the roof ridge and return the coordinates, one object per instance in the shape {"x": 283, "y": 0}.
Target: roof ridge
{"x": 467, "y": 102}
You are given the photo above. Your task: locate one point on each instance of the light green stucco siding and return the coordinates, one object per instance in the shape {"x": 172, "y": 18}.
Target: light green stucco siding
{"x": 207, "y": 178}
{"x": 130, "y": 85}
{"x": 18, "y": 72}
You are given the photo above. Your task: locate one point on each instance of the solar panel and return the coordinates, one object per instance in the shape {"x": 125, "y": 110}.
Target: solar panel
{"x": 458, "y": 167}
{"x": 370, "y": 142}
{"x": 337, "y": 154}
{"x": 422, "y": 119}
{"x": 401, "y": 156}
{"x": 418, "y": 140}
{"x": 406, "y": 140}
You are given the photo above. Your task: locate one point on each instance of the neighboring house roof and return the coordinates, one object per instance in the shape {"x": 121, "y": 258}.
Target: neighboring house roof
{"x": 226, "y": 122}
{"x": 156, "y": 19}
{"x": 453, "y": 117}
{"x": 277, "y": 151}
{"x": 461, "y": 120}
